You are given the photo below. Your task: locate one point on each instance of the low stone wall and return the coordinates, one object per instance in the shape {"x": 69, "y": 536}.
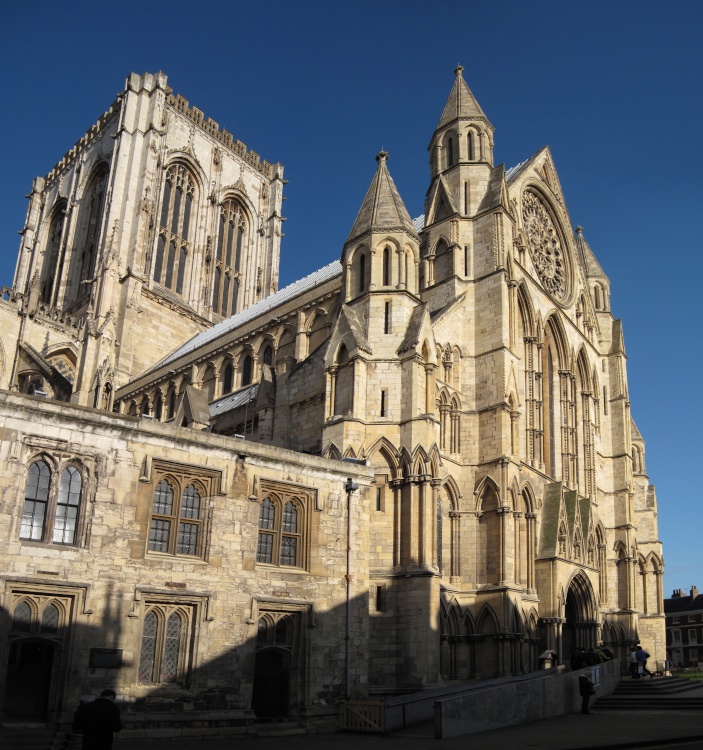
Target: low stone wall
{"x": 553, "y": 693}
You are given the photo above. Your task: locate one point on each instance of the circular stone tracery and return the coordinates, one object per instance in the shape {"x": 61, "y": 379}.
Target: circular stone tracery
{"x": 548, "y": 256}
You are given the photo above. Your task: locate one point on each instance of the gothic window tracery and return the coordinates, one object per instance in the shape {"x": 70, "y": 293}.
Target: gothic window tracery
{"x": 549, "y": 256}
{"x": 228, "y": 258}
{"x": 166, "y": 635}
{"x": 173, "y": 243}
{"x": 177, "y": 515}
{"x": 51, "y": 254}
{"x": 50, "y": 513}
{"x": 281, "y": 524}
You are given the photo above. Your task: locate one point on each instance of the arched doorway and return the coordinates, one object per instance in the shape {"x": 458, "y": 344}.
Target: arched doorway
{"x": 270, "y": 695}
{"x": 28, "y": 679}
{"x": 580, "y": 626}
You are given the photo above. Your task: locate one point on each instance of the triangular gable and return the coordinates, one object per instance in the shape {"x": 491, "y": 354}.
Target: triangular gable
{"x": 347, "y": 329}
{"x": 419, "y": 330}
{"x": 496, "y": 193}
{"x": 440, "y": 203}
{"x": 193, "y": 410}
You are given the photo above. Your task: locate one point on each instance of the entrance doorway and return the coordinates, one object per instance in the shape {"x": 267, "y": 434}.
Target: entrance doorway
{"x": 270, "y": 695}
{"x": 579, "y": 629}
{"x": 28, "y": 680}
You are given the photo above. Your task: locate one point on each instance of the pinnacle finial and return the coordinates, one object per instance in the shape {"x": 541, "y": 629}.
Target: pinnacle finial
{"x": 382, "y": 157}
{"x": 579, "y": 230}
{"x": 458, "y": 70}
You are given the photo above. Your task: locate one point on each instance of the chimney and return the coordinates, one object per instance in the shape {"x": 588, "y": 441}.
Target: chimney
{"x": 694, "y": 592}
{"x": 677, "y": 594}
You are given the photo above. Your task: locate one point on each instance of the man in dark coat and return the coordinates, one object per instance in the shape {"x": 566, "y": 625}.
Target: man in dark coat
{"x": 586, "y": 690}
{"x": 97, "y": 721}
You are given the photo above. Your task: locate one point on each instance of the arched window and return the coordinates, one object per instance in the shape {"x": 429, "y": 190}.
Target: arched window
{"x": 362, "y": 272}
{"x": 228, "y": 380}
{"x": 89, "y": 224}
{"x": 228, "y": 258}
{"x": 51, "y": 254}
{"x": 164, "y": 656}
{"x": 173, "y": 243}
{"x": 470, "y": 145}
{"x": 280, "y": 531}
{"x": 246, "y": 370}
{"x": 22, "y": 618}
{"x": 176, "y": 518}
{"x": 67, "y": 506}
{"x": 36, "y": 498}
{"x": 50, "y": 620}
{"x": 267, "y": 356}
{"x": 450, "y": 152}
{"x": 386, "y": 266}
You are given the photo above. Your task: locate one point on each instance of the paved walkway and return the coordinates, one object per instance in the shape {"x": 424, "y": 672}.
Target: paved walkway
{"x": 572, "y": 732}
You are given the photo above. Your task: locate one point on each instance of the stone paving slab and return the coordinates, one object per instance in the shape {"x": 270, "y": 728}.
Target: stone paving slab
{"x": 632, "y": 729}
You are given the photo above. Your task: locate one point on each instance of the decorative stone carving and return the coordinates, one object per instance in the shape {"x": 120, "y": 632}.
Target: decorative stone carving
{"x": 548, "y": 255}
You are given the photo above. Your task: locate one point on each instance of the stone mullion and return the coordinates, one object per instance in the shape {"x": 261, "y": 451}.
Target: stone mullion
{"x": 397, "y": 487}
{"x": 331, "y": 388}
{"x": 531, "y": 521}
{"x": 504, "y": 513}
{"x": 518, "y": 555}
{"x": 567, "y": 469}
{"x": 539, "y": 409}
{"x": 529, "y": 400}
{"x": 455, "y": 559}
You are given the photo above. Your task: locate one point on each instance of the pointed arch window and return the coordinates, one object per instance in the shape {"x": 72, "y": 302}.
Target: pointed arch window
{"x": 281, "y": 524}
{"x": 173, "y": 244}
{"x": 165, "y": 647}
{"x": 362, "y": 273}
{"x": 51, "y": 255}
{"x": 90, "y": 220}
{"x": 247, "y": 367}
{"x": 450, "y": 152}
{"x": 386, "y": 266}
{"x": 470, "y": 145}
{"x": 228, "y": 379}
{"x": 22, "y": 618}
{"x": 51, "y": 514}
{"x": 177, "y": 515}
{"x": 228, "y": 258}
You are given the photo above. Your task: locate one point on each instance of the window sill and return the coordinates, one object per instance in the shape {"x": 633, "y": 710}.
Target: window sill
{"x": 282, "y": 568}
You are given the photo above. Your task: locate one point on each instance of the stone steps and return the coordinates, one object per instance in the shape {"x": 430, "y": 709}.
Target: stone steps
{"x": 32, "y": 738}
{"x": 659, "y": 694}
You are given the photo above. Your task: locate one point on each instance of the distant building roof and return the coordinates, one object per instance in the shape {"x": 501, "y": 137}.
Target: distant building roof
{"x": 679, "y": 603}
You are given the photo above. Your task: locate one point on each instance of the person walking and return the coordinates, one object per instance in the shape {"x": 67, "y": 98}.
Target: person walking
{"x": 586, "y": 690}
{"x": 98, "y": 721}
{"x": 634, "y": 671}
{"x": 642, "y": 656}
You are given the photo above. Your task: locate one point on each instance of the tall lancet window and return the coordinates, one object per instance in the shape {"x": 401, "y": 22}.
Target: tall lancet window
{"x": 173, "y": 246}
{"x": 51, "y": 254}
{"x": 228, "y": 259}
{"x": 90, "y": 219}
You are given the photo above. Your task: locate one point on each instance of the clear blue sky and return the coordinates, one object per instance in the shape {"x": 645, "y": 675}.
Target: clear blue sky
{"x": 614, "y": 88}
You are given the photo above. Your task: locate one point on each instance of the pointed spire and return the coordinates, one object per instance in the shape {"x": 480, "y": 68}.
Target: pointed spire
{"x": 383, "y": 208}
{"x": 588, "y": 259}
{"x": 461, "y": 103}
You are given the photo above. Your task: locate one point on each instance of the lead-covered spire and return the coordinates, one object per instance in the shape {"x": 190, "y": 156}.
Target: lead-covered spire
{"x": 461, "y": 104}
{"x": 382, "y": 210}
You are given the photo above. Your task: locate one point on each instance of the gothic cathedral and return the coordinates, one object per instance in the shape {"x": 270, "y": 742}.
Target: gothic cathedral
{"x": 412, "y": 468}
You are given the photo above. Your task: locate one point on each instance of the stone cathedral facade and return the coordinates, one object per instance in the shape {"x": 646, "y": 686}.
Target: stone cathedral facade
{"x": 413, "y": 467}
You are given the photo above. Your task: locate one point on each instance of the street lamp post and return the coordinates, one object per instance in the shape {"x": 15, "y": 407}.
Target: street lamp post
{"x": 350, "y": 487}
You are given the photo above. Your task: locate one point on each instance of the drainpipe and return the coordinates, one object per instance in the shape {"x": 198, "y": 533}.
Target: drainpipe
{"x": 350, "y": 487}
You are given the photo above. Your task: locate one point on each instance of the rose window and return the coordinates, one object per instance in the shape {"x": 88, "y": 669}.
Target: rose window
{"x": 547, "y": 253}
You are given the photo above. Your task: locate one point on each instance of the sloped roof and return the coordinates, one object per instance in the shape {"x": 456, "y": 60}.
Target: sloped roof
{"x": 683, "y": 604}
{"x": 461, "y": 103}
{"x": 382, "y": 209}
{"x": 234, "y": 400}
{"x": 271, "y": 302}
